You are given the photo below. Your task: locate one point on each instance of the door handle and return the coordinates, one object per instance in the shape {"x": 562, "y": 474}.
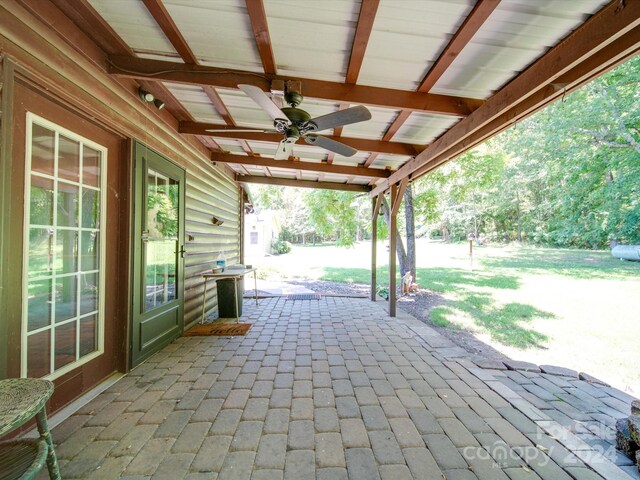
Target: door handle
{"x": 182, "y": 251}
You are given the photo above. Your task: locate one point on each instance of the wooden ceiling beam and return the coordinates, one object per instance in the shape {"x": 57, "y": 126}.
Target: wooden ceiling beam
{"x": 462, "y": 37}
{"x": 395, "y": 125}
{"x": 361, "y": 144}
{"x": 359, "y": 171}
{"x": 368, "y": 9}
{"x": 286, "y": 182}
{"x": 608, "y": 38}
{"x": 139, "y": 68}
{"x": 170, "y": 29}
{"x": 219, "y": 105}
{"x": 258, "y": 17}
{"x": 371, "y": 159}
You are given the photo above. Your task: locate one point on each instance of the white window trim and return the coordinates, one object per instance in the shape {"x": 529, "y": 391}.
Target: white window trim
{"x": 30, "y": 120}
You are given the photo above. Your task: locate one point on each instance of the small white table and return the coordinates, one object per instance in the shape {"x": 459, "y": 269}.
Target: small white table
{"x": 235, "y": 274}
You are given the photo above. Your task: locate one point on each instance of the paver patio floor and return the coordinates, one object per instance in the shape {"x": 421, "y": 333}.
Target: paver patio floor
{"x": 329, "y": 389}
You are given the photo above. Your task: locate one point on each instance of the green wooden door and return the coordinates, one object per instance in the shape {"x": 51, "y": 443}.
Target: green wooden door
{"x": 158, "y": 265}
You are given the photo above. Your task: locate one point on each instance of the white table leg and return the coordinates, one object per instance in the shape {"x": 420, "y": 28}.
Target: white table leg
{"x": 235, "y": 294}
{"x": 255, "y": 287}
{"x": 204, "y": 299}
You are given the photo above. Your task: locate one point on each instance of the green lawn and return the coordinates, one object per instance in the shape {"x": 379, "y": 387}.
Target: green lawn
{"x": 572, "y": 308}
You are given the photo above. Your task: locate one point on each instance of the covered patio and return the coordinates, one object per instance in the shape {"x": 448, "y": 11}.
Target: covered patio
{"x": 331, "y": 389}
{"x": 129, "y": 133}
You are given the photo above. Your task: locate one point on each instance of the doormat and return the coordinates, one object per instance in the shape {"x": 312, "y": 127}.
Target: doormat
{"x": 218, "y": 329}
{"x": 303, "y": 296}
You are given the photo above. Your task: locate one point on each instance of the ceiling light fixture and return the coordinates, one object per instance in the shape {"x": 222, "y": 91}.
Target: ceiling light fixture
{"x": 147, "y": 97}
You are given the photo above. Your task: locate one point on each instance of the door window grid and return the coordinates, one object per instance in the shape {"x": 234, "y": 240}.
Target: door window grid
{"x": 72, "y": 337}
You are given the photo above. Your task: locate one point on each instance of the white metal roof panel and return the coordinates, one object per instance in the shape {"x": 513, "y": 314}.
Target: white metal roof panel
{"x": 135, "y": 25}
{"x": 406, "y": 39}
{"x": 423, "y": 128}
{"x": 312, "y": 39}
{"x": 218, "y": 32}
{"x": 516, "y": 33}
{"x": 393, "y": 161}
{"x": 197, "y": 103}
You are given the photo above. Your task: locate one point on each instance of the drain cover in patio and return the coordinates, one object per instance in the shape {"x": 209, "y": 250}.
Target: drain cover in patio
{"x": 303, "y": 296}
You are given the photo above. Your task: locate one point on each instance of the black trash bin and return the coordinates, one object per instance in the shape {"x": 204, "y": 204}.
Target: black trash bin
{"x": 227, "y": 297}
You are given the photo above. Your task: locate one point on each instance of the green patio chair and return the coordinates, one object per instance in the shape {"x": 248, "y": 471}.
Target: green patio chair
{"x": 21, "y": 399}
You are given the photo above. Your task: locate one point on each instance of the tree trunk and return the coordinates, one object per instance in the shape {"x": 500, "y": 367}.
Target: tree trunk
{"x": 411, "y": 232}
{"x": 400, "y": 252}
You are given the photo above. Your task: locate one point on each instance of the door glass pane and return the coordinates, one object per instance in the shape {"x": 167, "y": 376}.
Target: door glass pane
{"x": 90, "y": 166}
{"x": 39, "y": 354}
{"x": 65, "y": 345}
{"x": 90, "y": 208}
{"x": 66, "y": 297}
{"x": 88, "y": 335}
{"x": 67, "y": 205}
{"x": 88, "y": 293}
{"x": 161, "y": 247}
{"x": 68, "y": 159}
{"x": 90, "y": 248}
{"x": 42, "y": 149}
{"x": 39, "y": 304}
{"x": 66, "y": 252}
{"x": 41, "y": 206}
{"x": 40, "y": 251}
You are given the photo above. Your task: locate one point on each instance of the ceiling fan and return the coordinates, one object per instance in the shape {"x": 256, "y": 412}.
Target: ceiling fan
{"x": 295, "y": 123}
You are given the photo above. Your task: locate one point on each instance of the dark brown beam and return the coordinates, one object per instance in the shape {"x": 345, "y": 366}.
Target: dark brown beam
{"x": 361, "y": 144}
{"x": 170, "y": 29}
{"x": 219, "y": 105}
{"x": 605, "y": 40}
{"x": 134, "y": 67}
{"x": 286, "y": 182}
{"x": 299, "y": 165}
{"x": 368, "y": 9}
{"x": 395, "y": 126}
{"x": 371, "y": 159}
{"x": 463, "y": 36}
{"x": 255, "y": 9}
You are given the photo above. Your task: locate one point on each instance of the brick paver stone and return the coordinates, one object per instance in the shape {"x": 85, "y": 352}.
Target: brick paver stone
{"x": 361, "y": 464}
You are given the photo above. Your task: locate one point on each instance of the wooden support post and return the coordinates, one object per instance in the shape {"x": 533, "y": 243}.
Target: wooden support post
{"x": 392, "y": 252}
{"x": 377, "y": 202}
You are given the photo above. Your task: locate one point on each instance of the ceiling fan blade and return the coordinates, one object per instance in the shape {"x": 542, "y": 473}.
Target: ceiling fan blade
{"x": 332, "y": 145}
{"x": 347, "y": 116}
{"x": 246, "y": 130}
{"x": 284, "y": 150}
{"x": 264, "y": 102}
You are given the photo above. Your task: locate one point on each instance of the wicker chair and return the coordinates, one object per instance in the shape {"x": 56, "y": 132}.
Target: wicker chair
{"x": 20, "y": 400}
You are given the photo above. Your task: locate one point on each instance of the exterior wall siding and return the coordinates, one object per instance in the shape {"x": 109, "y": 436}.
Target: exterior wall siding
{"x": 208, "y": 194}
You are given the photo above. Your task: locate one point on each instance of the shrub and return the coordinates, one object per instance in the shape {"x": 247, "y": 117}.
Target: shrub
{"x": 280, "y": 247}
